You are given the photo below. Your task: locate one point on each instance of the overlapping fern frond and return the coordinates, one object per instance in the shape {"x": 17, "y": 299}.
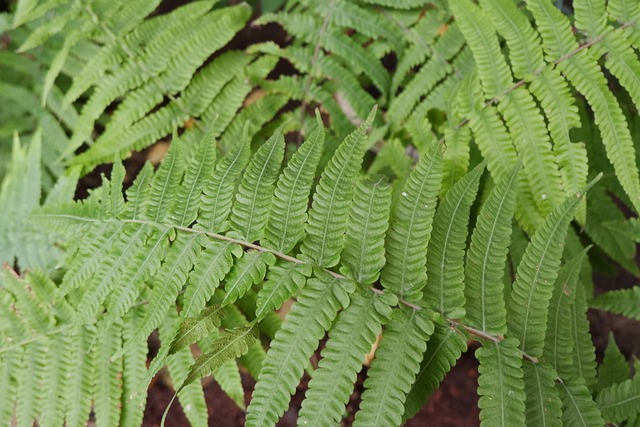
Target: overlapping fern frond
{"x": 152, "y": 66}
{"x": 194, "y": 235}
{"x": 230, "y": 226}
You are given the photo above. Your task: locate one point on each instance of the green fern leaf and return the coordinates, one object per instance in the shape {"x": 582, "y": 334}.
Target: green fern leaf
{"x": 192, "y": 329}
{"x": 133, "y": 368}
{"x": 108, "y": 391}
{"x": 443, "y": 350}
{"x": 218, "y": 190}
{"x": 184, "y": 211}
{"x": 537, "y": 272}
{"x": 500, "y": 383}
{"x": 247, "y": 271}
{"x": 256, "y": 354}
{"x": 518, "y": 107}
{"x": 620, "y": 401}
{"x": 288, "y": 355}
{"x": 623, "y": 301}
{"x": 363, "y": 253}
{"x": 229, "y": 345}
{"x": 584, "y": 354}
{"x": 138, "y": 193}
{"x": 228, "y": 377}
{"x": 283, "y": 281}
{"x": 559, "y": 344}
{"x": 129, "y": 246}
{"x": 445, "y": 263}
{"x": 328, "y": 215}
{"x": 579, "y": 409}
{"x": 486, "y": 258}
{"x": 543, "y": 405}
{"x": 80, "y": 383}
{"x": 584, "y": 74}
{"x": 168, "y": 282}
{"x": 213, "y": 265}
{"x": 165, "y": 184}
{"x": 350, "y": 339}
{"x": 614, "y": 368}
{"x": 253, "y": 199}
{"x": 408, "y": 237}
{"x": 145, "y": 264}
{"x": 285, "y": 227}
{"x": 191, "y": 396}
{"x": 394, "y": 368}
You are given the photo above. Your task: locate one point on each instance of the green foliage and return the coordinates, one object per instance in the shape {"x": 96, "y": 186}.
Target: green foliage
{"x": 386, "y": 237}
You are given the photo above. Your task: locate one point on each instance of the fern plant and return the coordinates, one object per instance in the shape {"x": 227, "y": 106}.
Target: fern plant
{"x": 408, "y": 242}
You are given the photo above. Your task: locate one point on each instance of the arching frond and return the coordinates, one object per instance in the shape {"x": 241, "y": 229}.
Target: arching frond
{"x": 445, "y": 346}
{"x": 624, "y": 301}
{"x": 500, "y": 383}
{"x": 485, "y": 306}
{"x": 445, "y": 261}
{"x": 350, "y": 339}
{"x": 394, "y": 368}
{"x": 559, "y": 345}
{"x": 313, "y": 313}
{"x": 538, "y": 270}
{"x": 614, "y": 368}
{"x": 285, "y": 227}
{"x": 410, "y": 229}
{"x": 620, "y": 401}
{"x": 363, "y": 253}
{"x": 327, "y": 217}
{"x": 543, "y": 405}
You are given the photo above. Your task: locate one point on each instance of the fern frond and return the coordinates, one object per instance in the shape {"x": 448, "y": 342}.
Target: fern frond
{"x": 485, "y": 308}
{"x": 614, "y": 368}
{"x": 363, "y": 253}
{"x": 584, "y": 354}
{"x": 187, "y": 200}
{"x": 294, "y": 343}
{"x": 191, "y": 329}
{"x": 328, "y": 215}
{"x": 247, "y": 271}
{"x": 445, "y": 263}
{"x": 229, "y": 345}
{"x": 404, "y": 274}
{"x": 579, "y": 409}
{"x": 212, "y": 266}
{"x": 217, "y": 195}
{"x": 620, "y": 401}
{"x": 285, "y": 227}
{"x": 623, "y": 301}
{"x": 559, "y": 344}
{"x": 537, "y": 272}
{"x": 250, "y": 211}
{"x": 350, "y": 339}
{"x": 584, "y": 74}
{"x": 165, "y": 184}
{"x": 394, "y": 368}
{"x": 169, "y": 279}
{"x": 283, "y": 282}
{"x": 543, "y": 405}
{"x": 445, "y": 347}
{"x": 133, "y": 368}
{"x": 191, "y": 397}
{"x": 108, "y": 391}
{"x": 500, "y": 383}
